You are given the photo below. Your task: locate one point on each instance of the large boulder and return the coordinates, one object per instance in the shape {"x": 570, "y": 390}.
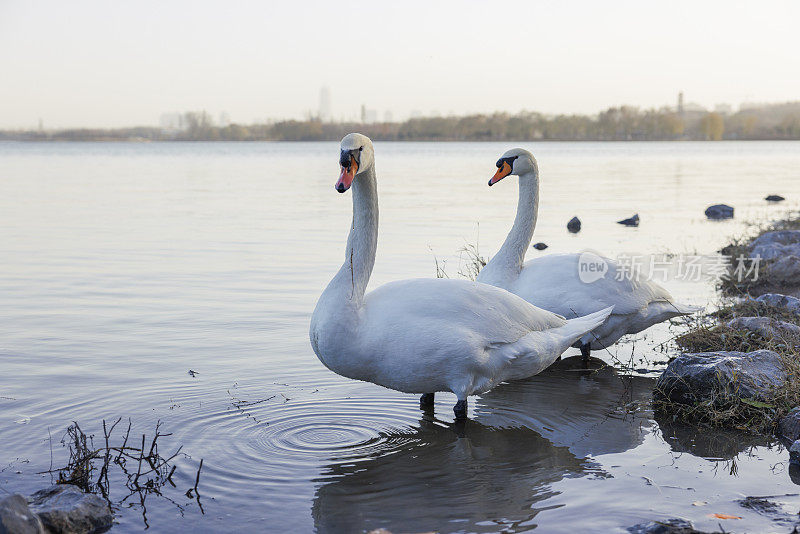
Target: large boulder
{"x": 721, "y": 377}
{"x": 719, "y": 211}
{"x": 789, "y": 425}
{"x": 65, "y": 509}
{"x": 777, "y": 300}
{"x": 17, "y": 518}
{"x": 785, "y": 270}
{"x": 766, "y": 327}
{"x": 794, "y": 453}
{"x": 773, "y": 245}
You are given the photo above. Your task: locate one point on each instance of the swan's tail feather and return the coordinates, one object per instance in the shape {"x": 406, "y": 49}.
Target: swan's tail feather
{"x": 535, "y": 351}
{"x": 686, "y": 309}
{"x": 580, "y": 326}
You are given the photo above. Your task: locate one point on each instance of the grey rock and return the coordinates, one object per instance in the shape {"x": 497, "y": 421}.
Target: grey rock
{"x": 540, "y": 246}
{"x": 17, "y": 518}
{"x": 766, "y": 327}
{"x": 666, "y": 526}
{"x": 786, "y": 269}
{"x": 719, "y": 211}
{"x": 777, "y": 300}
{"x": 789, "y": 425}
{"x": 773, "y": 245}
{"x": 773, "y": 251}
{"x": 721, "y": 376}
{"x": 774, "y": 198}
{"x": 574, "y": 225}
{"x": 65, "y": 508}
{"x": 794, "y": 453}
{"x": 630, "y": 221}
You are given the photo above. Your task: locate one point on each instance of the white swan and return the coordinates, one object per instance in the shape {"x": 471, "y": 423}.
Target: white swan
{"x": 553, "y": 282}
{"x": 426, "y": 335}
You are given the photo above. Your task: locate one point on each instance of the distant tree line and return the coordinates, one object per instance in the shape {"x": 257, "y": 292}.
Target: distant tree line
{"x": 625, "y": 123}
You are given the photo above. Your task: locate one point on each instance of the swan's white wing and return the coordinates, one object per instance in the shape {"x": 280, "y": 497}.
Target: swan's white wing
{"x": 490, "y": 312}
{"x": 425, "y": 335}
{"x": 553, "y": 283}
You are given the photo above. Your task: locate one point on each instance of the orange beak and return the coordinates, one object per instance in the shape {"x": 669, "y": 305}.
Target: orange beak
{"x": 501, "y": 173}
{"x": 346, "y": 176}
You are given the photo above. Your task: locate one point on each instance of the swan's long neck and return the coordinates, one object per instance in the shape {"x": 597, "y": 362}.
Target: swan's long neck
{"x": 350, "y": 283}
{"x": 505, "y": 266}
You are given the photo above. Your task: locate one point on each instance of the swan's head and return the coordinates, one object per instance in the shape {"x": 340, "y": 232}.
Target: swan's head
{"x": 356, "y": 156}
{"x": 515, "y": 161}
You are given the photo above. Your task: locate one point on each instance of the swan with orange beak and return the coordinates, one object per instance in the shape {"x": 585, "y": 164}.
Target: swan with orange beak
{"x": 349, "y": 162}
{"x": 425, "y": 335}
{"x": 555, "y": 282}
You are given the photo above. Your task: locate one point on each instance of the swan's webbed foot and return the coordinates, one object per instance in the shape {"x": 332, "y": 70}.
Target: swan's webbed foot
{"x": 586, "y": 351}
{"x": 426, "y": 400}
{"x": 460, "y": 409}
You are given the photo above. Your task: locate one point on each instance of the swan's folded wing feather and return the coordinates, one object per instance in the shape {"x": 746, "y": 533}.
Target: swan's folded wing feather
{"x": 491, "y": 313}
{"x": 553, "y": 281}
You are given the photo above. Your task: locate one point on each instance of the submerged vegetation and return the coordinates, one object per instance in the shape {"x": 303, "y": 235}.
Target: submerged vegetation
{"x": 623, "y": 123}
{"x": 138, "y": 467}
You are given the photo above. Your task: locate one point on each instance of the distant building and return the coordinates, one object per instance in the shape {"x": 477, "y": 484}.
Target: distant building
{"x": 724, "y": 109}
{"x": 224, "y": 119}
{"x": 680, "y": 102}
{"x": 387, "y": 116}
{"x": 368, "y": 116}
{"x": 324, "y": 111}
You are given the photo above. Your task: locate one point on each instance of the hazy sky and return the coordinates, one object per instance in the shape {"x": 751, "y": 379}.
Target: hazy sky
{"x": 102, "y": 63}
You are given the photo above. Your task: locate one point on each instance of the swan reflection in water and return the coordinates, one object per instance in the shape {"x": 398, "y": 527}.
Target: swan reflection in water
{"x": 492, "y": 472}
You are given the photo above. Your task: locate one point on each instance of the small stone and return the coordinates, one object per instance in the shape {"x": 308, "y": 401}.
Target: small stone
{"x": 774, "y": 198}
{"x": 630, "y": 221}
{"x": 540, "y": 246}
{"x": 794, "y": 453}
{"x": 574, "y": 225}
{"x": 666, "y": 526}
{"x": 722, "y": 377}
{"x": 719, "y": 211}
{"x": 777, "y": 300}
{"x": 17, "y": 518}
{"x": 65, "y": 508}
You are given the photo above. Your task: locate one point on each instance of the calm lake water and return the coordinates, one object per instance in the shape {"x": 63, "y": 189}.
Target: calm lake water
{"x": 126, "y": 265}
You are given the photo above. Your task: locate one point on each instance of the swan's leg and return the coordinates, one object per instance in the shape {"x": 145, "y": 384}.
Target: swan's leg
{"x": 460, "y": 409}
{"x": 586, "y": 351}
{"x": 426, "y": 400}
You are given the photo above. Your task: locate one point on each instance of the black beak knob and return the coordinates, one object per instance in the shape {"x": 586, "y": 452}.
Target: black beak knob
{"x": 340, "y": 188}
{"x": 490, "y": 182}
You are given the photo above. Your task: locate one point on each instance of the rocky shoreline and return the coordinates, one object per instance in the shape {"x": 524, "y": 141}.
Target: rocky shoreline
{"x": 739, "y": 365}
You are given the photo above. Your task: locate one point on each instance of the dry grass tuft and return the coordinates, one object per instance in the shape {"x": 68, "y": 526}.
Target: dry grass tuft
{"x": 471, "y": 261}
